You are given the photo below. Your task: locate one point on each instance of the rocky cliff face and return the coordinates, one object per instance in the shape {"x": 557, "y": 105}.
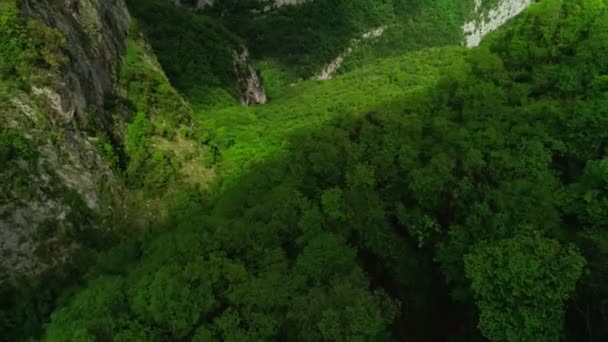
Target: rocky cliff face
{"x": 46, "y": 199}
{"x": 96, "y": 33}
{"x": 249, "y": 82}
{"x": 488, "y": 22}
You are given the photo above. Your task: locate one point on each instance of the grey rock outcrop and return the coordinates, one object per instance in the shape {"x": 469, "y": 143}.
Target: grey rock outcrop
{"x": 69, "y": 176}
{"x": 96, "y": 33}
{"x": 475, "y": 30}
{"x": 248, "y": 80}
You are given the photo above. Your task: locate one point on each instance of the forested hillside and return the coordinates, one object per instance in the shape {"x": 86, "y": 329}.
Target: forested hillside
{"x": 427, "y": 192}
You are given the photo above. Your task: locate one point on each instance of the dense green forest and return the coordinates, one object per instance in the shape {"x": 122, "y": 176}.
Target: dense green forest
{"x": 427, "y": 193}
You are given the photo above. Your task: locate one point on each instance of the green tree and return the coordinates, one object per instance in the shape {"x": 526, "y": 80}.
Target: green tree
{"x": 95, "y": 313}
{"x": 173, "y": 297}
{"x": 520, "y": 286}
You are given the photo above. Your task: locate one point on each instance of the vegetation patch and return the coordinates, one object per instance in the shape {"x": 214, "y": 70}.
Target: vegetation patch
{"x": 29, "y": 50}
{"x": 196, "y": 52}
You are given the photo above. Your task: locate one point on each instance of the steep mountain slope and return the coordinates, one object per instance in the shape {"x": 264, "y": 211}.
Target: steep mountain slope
{"x": 291, "y": 41}
{"x": 206, "y": 62}
{"x": 73, "y": 148}
{"x": 53, "y": 85}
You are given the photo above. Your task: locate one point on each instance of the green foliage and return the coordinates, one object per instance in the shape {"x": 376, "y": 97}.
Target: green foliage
{"x": 277, "y": 78}
{"x": 414, "y": 25}
{"x": 297, "y": 41}
{"x": 173, "y": 297}
{"x": 29, "y": 50}
{"x": 108, "y": 153}
{"x": 161, "y": 113}
{"x": 14, "y": 146}
{"x": 136, "y": 146}
{"x": 196, "y": 52}
{"x": 96, "y": 313}
{"x": 26, "y": 302}
{"x": 253, "y": 294}
{"x": 148, "y": 167}
{"x": 147, "y": 89}
{"x": 307, "y": 36}
{"x": 14, "y": 178}
{"x": 521, "y": 285}
{"x": 246, "y": 135}
{"x": 291, "y": 42}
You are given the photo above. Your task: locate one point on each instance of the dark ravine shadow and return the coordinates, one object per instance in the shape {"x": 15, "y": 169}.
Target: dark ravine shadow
{"x": 307, "y": 36}
{"x": 195, "y": 51}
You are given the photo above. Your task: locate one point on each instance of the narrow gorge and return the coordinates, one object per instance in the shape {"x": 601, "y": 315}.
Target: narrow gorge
{"x": 303, "y": 170}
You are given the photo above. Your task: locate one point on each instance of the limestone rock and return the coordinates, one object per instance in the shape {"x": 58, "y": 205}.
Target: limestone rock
{"x": 96, "y": 33}
{"x": 475, "y": 30}
{"x": 69, "y": 177}
{"x": 248, "y": 80}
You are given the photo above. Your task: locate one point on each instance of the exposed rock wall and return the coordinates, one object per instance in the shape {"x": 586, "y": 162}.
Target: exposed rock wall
{"x": 476, "y": 29}
{"x": 69, "y": 177}
{"x": 249, "y": 82}
{"x": 96, "y": 32}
